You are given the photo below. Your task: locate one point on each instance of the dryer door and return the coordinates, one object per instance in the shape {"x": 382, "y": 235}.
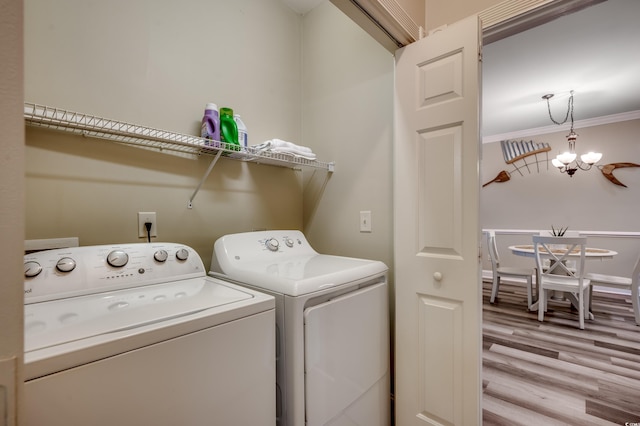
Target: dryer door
{"x": 347, "y": 359}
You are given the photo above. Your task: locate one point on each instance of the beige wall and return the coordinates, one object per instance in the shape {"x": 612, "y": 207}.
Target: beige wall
{"x": 348, "y": 117}
{"x": 587, "y": 201}
{"x": 11, "y": 206}
{"x": 415, "y": 9}
{"x": 158, "y": 64}
{"x": 444, "y": 12}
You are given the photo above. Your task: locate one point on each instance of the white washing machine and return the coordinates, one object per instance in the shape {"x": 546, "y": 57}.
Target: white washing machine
{"x": 332, "y": 317}
{"x": 138, "y": 334}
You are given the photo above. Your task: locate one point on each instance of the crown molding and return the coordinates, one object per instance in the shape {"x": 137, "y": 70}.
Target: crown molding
{"x": 581, "y": 124}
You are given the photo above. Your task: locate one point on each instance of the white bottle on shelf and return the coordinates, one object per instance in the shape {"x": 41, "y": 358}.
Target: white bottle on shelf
{"x": 243, "y": 136}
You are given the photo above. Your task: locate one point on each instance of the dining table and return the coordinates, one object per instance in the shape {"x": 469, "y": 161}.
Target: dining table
{"x": 591, "y": 253}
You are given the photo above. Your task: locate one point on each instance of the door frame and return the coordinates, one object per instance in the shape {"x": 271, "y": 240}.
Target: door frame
{"x": 506, "y": 18}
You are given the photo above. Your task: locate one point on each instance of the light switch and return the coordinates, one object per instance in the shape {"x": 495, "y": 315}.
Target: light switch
{"x": 365, "y": 221}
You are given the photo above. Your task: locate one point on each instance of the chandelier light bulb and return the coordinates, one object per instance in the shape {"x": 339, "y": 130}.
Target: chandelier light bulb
{"x": 591, "y": 157}
{"x": 557, "y": 163}
{"x": 566, "y": 157}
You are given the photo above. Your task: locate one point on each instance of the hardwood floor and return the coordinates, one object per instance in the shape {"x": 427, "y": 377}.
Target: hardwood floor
{"x": 553, "y": 373}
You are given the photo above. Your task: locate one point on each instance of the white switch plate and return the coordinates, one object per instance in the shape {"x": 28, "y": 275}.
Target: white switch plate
{"x": 365, "y": 221}
{"x": 144, "y": 217}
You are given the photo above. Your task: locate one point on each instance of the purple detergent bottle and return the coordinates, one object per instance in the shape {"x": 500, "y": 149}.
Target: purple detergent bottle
{"x": 210, "y": 129}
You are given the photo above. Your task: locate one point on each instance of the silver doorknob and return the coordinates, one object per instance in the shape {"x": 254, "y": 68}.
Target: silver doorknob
{"x": 437, "y": 276}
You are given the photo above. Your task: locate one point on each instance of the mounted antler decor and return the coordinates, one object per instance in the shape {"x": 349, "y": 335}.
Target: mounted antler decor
{"x": 607, "y": 171}
{"x": 514, "y": 151}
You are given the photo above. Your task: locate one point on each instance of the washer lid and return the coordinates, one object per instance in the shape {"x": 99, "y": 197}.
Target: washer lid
{"x": 300, "y": 275}
{"x": 57, "y": 322}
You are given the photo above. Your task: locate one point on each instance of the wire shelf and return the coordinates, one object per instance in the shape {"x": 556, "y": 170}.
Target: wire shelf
{"x": 161, "y": 140}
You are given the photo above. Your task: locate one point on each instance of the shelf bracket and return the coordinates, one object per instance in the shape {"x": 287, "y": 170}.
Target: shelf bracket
{"x": 206, "y": 175}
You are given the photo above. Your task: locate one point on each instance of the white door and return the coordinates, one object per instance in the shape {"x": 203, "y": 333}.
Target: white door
{"x": 437, "y": 235}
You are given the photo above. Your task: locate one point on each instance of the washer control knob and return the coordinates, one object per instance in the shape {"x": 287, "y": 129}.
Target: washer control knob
{"x": 272, "y": 244}
{"x": 66, "y": 264}
{"x": 182, "y": 254}
{"x": 289, "y": 242}
{"x": 161, "y": 255}
{"x": 31, "y": 269}
{"x": 117, "y": 258}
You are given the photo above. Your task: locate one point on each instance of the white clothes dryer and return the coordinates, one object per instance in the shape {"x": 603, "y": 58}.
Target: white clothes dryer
{"x": 332, "y": 326}
{"x": 138, "y": 334}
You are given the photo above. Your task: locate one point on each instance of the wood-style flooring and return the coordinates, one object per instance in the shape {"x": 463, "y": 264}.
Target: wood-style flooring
{"x": 553, "y": 373}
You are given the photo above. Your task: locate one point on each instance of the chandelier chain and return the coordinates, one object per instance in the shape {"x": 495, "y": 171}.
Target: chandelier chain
{"x": 568, "y": 162}
{"x": 568, "y": 114}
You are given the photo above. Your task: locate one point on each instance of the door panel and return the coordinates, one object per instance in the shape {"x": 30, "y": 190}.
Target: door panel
{"x": 440, "y": 223}
{"x": 437, "y": 234}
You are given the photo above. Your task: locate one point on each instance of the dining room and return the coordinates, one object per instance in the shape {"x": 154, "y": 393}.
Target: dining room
{"x": 551, "y": 371}
{"x": 597, "y": 102}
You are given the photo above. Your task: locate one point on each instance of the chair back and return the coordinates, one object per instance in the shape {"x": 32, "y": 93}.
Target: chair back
{"x": 635, "y": 277}
{"x": 492, "y": 249}
{"x": 557, "y": 250}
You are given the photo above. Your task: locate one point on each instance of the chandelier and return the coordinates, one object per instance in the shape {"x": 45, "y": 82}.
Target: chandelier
{"x": 567, "y": 162}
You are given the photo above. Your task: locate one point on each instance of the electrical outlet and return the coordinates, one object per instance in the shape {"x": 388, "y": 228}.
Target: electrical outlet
{"x": 365, "y": 221}
{"x": 144, "y": 217}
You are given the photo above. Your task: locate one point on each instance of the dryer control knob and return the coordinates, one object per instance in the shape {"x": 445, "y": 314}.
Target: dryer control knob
{"x": 182, "y": 254}
{"x": 117, "y": 258}
{"x": 66, "y": 264}
{"x": 272, "y": 244}
{"x": 289, "y": 242}
{"x": 161, "y": 255}
{"x": 31, "y": 269}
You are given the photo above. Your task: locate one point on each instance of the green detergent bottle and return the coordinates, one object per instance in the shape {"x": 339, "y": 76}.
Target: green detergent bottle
{"x": 229, "y": 129}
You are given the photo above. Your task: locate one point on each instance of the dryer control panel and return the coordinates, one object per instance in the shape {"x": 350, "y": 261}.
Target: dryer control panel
{"x": 75, "y": 271}
{"x": 260, "y": 246}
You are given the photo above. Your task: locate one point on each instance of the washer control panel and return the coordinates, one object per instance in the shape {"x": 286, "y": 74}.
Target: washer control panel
{"x": 75, "y": 271}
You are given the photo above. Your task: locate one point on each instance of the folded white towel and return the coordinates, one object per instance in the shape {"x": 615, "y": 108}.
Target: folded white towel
{"x": 284, "y": 147}
{"x": 290, "y": 151}
{"x": 279, "y": 143}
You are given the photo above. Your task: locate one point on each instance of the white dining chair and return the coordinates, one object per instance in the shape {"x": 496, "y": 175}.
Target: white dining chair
{"x": 626, "y": 283}
{"x": 569, "y": 233}
{"x": 501, "y": 271}
{"x": 560, "y": 277}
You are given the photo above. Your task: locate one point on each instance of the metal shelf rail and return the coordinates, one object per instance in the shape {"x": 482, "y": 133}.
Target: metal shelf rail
{"x": 146, "y": 137}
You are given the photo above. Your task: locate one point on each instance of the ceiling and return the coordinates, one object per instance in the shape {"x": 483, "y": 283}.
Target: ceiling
{"x": 592, "y": 52}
